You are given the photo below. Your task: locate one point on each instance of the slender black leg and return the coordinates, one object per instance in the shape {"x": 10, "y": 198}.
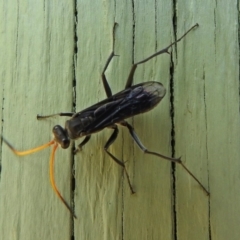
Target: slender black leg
{"x": 85, "y": 140}
{"x": 104, "y": 79}
{"x": 165, "y": 50}
{"x": 145, "y": 150}
{"x": 69, "y": 114}
{"x": 110, "y": 142}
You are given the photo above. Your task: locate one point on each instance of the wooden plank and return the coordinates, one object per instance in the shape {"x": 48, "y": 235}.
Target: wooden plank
{"x": 103, "y": 198}
{"x": 38, "y": 46}
{"x": 207, "y": 120}
{"x": 36, "y": 66}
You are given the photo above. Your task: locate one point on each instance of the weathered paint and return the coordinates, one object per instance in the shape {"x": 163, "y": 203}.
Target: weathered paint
{"x": 37, "y": 71}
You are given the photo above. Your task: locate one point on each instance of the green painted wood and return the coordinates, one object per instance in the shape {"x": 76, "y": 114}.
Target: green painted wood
{"x": 207, "y": 121}
{"x": 36, "y": 69}
{"x": 38, "y": 64}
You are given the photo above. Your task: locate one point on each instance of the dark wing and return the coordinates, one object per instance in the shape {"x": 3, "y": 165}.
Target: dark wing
{"x": 137, "y": 99}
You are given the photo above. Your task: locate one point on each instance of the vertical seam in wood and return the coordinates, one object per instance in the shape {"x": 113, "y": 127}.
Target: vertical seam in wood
{"x": 206, "y": 129}
{"x": 74, "y": 82}
{"x": 174, "y": 208}
{"x": 173, "y": 166}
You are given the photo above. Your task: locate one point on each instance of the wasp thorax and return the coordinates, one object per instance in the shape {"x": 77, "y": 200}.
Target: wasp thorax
{"x": 61, "y": 136}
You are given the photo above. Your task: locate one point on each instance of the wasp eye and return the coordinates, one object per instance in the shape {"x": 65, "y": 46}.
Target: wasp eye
{"x": 65, "y": 143}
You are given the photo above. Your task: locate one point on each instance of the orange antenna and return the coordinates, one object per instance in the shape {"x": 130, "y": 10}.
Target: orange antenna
{"x": 51, "y": 164}
{"x": 51, "y": 173}
{"x": 33, "y": 150}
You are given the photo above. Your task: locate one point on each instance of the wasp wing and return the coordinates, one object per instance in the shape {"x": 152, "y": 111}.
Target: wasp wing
{"x": 137, "y": 99}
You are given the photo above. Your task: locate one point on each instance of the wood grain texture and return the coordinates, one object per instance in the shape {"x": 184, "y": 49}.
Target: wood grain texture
{"x": 36, "y": 66}
{"x": 52, "y": 55}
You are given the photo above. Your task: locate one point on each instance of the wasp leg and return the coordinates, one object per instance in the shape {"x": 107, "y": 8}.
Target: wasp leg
{"x": 69, "y": 114}
{"x": 164, "y": 50}
{"x": 142, "y": 147}
{"x": 110, "y": 142}
{"x": 145, "y": 150}
{"x": 104, "y": 79}
{"x": 85, "y": 140}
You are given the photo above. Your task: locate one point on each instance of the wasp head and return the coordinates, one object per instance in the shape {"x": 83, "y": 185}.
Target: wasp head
{"x": 61, "y": 136}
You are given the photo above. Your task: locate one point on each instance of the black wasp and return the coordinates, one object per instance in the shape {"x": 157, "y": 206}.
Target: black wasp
{"x": 133, "y": 100}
